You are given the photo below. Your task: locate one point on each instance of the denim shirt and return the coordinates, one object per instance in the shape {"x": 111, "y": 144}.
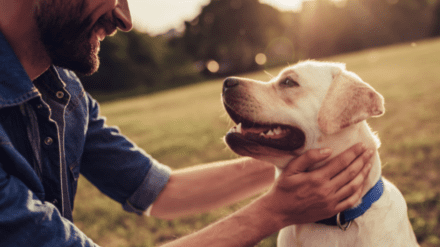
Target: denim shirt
{"x": 50, "y": 133}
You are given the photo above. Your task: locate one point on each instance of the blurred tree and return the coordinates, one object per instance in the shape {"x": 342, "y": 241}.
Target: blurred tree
{"x": 232, "y": 32}
{"x": 330, "y": 27}
{"x": 136, "y": 60}
{"x": 127, "y": 60}
{"x": 399, "y": 20}
{"x": 436, "y": 23}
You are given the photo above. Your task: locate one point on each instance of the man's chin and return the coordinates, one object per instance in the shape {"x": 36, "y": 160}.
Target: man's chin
{"x": 79, "y": 63}
{"x": 84, "y": 68}
{"x": 90, "y": 70}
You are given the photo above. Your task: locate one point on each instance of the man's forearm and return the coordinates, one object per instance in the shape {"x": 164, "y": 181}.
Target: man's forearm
{"x": 246, "y": 227}
{"x": 297, "y": 197}
{"x": 203, "y": 188}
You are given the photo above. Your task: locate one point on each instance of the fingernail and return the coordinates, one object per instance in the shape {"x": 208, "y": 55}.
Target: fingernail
{"x": 369, "y": 165}
{"x": 370, "y": 152}
{"x": 325, "y": 151}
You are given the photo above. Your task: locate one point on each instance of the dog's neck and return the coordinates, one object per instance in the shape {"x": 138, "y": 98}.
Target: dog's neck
{"x": 353, "y": 134}
{"x": 348, "y": 137}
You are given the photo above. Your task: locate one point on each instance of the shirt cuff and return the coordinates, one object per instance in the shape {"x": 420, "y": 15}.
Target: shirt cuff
{"x": 149, "y": 190}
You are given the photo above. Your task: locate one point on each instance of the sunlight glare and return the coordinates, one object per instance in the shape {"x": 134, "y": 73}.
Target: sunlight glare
{"x": 157, "y": 17}
{"x": 285, "y": 5}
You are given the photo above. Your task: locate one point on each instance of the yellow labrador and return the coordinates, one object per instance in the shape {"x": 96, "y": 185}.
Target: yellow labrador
{"x": 313, "y": 105}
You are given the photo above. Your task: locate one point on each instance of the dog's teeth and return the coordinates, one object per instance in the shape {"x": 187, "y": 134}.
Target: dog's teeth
{"x": 277, "y": 131}
{"x": 239, "y": 128}
{"x": 270, "y": 133}
{"x": 262, "y": 134}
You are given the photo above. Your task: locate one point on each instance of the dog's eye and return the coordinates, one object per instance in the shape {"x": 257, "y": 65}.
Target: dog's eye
{"x": 288, "y": 82}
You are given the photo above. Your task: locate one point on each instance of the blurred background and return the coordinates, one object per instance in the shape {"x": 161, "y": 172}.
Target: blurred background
{"x": 180, "y": 42}
{"x": 161, "y": 85}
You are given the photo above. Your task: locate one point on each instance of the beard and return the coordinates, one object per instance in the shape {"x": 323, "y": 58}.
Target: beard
{"x": 67, "y": 35}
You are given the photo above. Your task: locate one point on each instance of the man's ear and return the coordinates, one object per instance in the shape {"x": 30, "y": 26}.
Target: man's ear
{"x": 349, "y": 100}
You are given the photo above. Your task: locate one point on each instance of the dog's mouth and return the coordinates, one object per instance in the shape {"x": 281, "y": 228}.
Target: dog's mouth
{"x": 248, "y": 133}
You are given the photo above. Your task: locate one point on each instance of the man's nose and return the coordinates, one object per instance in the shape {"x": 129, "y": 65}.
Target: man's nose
{"x": 122, "y": 15}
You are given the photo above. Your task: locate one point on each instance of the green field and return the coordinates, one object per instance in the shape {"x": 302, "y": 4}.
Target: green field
{"x": 184, "y": 127}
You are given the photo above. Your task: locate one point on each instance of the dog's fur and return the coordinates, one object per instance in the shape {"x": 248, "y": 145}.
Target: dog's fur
{"x": 316, "y": 105}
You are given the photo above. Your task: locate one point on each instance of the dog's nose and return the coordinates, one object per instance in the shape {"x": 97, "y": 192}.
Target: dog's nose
{"x": 230, "y": 83}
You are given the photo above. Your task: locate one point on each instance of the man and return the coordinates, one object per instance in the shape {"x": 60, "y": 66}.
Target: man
{"x": 51, "y": 131}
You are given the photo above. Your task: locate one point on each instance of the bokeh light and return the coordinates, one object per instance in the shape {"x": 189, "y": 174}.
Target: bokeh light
{"x": 260, "y": 59}
{"x": 212, "y": 66}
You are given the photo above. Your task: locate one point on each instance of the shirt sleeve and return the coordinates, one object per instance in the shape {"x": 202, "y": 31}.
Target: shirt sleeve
{"x": 27, "y": 221}
{"x": 118, "y": 167}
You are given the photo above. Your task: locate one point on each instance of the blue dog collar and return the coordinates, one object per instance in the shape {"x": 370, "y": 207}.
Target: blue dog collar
{"x": 371, "y": 197}
{"x": 345, "y": 217}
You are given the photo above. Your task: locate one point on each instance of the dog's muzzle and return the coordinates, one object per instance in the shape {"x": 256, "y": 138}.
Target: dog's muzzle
{"x": 253, "y": 134}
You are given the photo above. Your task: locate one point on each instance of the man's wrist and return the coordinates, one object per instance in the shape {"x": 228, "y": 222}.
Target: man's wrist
{"x": 266, "y": 207}
{"x": 257, "y": 220}
{"x": 246, "y": 227}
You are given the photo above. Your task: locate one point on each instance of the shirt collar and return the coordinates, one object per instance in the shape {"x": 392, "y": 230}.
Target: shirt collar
{"x": 15, "y": 85}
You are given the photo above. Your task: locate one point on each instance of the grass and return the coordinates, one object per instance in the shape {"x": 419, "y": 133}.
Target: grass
{"x": 184, "y": 127}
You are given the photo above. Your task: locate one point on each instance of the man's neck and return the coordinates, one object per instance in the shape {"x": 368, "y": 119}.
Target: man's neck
{"x": 20, "y": 29}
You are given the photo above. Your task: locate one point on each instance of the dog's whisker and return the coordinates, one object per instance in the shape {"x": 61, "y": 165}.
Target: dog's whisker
{"x": 269, "y": 74}
{"x": 225, "y": 114}
{"x": 229, "y": 121}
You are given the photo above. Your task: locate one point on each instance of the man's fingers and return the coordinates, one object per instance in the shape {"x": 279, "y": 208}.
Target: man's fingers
{"x": 351, "y": 192}
{"x": 353, "y": 170}
{"x": 342, "y": 161}
{"x": 349, "y": 202}
{"x": 303, "y": 162}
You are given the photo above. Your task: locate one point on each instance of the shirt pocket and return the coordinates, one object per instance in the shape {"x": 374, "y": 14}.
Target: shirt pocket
{"x": 74, "y": 169}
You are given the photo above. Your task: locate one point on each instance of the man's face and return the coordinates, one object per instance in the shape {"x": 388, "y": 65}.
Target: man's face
{"x": 71, "y": 31}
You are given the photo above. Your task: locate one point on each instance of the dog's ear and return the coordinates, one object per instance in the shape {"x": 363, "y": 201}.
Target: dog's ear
{"x": 349, "y": 100}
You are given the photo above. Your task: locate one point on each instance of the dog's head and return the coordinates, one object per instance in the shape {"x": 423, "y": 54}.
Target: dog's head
{"x": 281, "y": 119}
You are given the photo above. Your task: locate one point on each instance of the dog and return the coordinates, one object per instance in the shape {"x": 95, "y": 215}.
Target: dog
{"x": 313, "y": 105}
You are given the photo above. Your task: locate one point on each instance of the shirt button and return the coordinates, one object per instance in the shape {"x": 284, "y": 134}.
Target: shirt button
{"x": 48, "y": 141}
{"x": 60, "y": 94}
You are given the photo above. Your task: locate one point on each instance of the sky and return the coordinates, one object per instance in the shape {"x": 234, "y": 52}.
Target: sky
{"x": 159, "y": 16}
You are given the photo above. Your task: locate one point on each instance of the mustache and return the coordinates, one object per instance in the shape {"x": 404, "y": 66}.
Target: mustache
{"x": 106, "y": 23}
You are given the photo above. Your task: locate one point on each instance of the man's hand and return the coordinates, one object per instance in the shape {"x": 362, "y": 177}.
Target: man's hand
{"x": 303, "y": 197}
{"x": 296, "y": 197}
